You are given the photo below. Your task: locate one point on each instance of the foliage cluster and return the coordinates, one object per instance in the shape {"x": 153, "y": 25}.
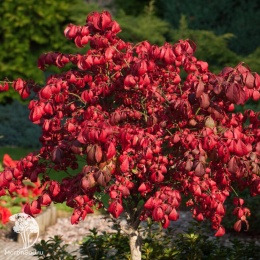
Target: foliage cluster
{"x": 154, "y": 24}
{"x": 16, "y": 199}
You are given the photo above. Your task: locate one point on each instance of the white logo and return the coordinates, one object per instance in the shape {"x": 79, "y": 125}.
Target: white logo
{"x": 27, "y": 227}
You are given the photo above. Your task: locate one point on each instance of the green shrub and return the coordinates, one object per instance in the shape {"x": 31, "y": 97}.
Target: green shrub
{"x": 53, "y": 249}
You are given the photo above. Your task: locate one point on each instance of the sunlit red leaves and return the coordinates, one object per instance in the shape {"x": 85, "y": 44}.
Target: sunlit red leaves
{"x": 124, "y": 166}
{"x": 102, "y": 178}
{"x": 174, "y": 215}
{"x": 22, "y": 87}
{"x": 45, "y": 199}
{"x": 33, "y": 209}
{"x": 4, "y": 215}
{"x": 54, "y": 188}
{"x": 46, "y": 92}
{"x": 220, "y": 232}
{"x": 4, "y": 87}
{"x": 111, "y": 151}
{"x": 116, "y": 209}
{"x": 8, "y": 161}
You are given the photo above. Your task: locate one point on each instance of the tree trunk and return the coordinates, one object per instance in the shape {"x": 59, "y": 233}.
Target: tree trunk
{"x": 135, "y": 241}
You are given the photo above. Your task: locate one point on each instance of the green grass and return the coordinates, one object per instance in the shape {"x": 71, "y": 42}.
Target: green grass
{"x": 15, "y": 152}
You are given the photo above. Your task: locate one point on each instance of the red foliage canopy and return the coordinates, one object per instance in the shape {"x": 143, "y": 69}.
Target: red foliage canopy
{"x": 152, "y": 123}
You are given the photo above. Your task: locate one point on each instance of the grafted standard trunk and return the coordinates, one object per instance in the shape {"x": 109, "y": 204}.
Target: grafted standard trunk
{"x": 135, "y": 242}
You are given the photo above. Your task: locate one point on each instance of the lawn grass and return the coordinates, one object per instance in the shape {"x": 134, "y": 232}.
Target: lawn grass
{"x": 15, "y": 152}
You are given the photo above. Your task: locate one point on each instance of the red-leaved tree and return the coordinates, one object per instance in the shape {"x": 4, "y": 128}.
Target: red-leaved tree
{"x": 152, "y": 124}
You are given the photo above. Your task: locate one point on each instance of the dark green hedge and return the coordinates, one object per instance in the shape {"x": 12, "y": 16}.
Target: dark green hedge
{"x": 15, "y": 127}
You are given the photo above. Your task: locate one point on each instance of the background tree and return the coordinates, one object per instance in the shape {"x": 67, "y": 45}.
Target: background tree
{"x": 237, "y": 17}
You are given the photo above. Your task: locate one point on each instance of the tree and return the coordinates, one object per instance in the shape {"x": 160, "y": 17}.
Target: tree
{"x": 237, "y": 17}
{"x": 148, "y": 136}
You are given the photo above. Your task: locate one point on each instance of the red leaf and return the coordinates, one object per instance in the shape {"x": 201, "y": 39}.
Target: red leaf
{"x": 102, "y": 178}
{"x": 235, "y": 94}
{"x": 105, "y": 19}
{"x": 88, "y": 181}
{"x": 57, "y": 155}
{"x": 196, "y": 190}
{"x": 115, "y": 28}
{"x": 157, "y": 214}
{"x": 238, "y": 225}
{"x": 5, "y": 215}
{"x": 250, "y": 80}
{"x": 4, "y": 87}
{"x": 111, "y": 151}
{"x": 48, "y": 109}
{"x": 36, "y": 113}
{"x": 8, "y": 175}
{"x": 125, "y": 165}
{"x": 221, "y": 231}
{"x": 165, "y": 222}
{"x": 256, "y": 95}
{"x": 109, "y": 53}
{"x": 91, "y": 152}
{"x": 115, "y": 209}
{"x": 200, "y": 217}
{"x": 174, "y": 215}
{"x": 75, "y": 217}
{"x": 98, "y": 153}
{"x": 220, "y": 209}
{"x": 200, "y": 89}
{"x": 240, "y": 148}
{"x": 204, "y": 100}
{"x": 199, "y": 170}
{"x": 3, "y": 181}
{"x": 226, "y": 71}
{"x": 232, "y": 165}
{"x": 46, "y": 92}
{"x": 54, "y": 188}
{"x": 157, "y": 176}
{"x": 85, "y": 39}
{"x": 8, "y": 161}
{"x": 77, "y": 41}
{"x": 46, "y": 199}
{"x": 35, "y": 207}
{"x": 232, "y": 146}
{"x": 149, "y": 204}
